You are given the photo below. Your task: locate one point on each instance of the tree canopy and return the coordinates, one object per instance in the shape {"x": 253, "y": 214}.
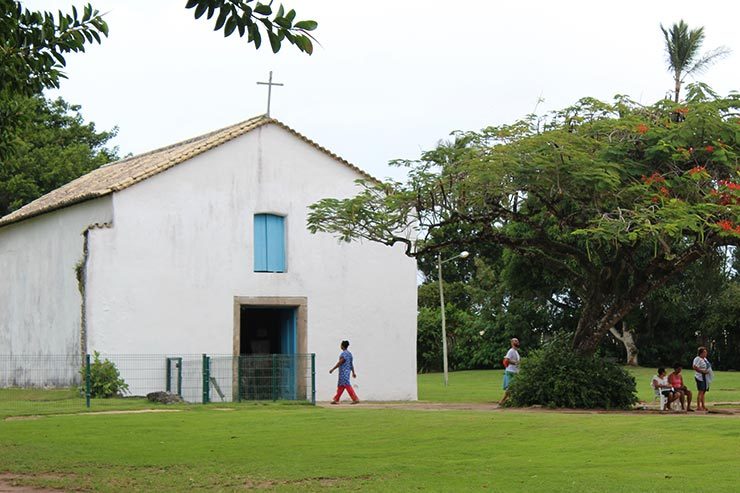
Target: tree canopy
{"x": 611, "y": 200}
{"x": 53, "y": 145}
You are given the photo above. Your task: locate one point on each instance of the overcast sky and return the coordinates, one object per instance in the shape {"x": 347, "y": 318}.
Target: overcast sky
{"x": 391, "y": 78}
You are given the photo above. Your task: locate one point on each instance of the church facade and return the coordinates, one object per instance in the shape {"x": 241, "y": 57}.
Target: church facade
{"x": 202, "y": 247}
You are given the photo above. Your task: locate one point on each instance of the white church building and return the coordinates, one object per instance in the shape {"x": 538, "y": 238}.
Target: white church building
{"x": 201, "y": 247}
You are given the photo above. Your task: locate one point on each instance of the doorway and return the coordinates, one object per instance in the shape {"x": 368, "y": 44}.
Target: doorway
{"x": 269, "y": 339}
{"x": 269, "y": 330}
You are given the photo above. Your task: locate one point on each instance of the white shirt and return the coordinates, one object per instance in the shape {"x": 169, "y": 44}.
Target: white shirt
{"x": 513, "y": 356}
{"x": 699, "y": 363}
{"x": 704, "y": 365}
{"x": 657, "y": 382}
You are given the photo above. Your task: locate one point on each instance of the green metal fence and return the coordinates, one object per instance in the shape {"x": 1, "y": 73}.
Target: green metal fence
{"x": 63, "y": 383}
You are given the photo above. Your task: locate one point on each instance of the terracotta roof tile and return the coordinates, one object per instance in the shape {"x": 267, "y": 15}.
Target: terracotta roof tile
{"x": 118, "y": 175}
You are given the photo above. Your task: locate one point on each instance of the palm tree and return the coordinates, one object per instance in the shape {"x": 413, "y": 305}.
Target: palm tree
{"x": 682, "y": 49}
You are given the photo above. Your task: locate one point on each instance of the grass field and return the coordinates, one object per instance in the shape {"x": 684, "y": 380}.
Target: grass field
{"x": 305, "y": 448}
{"x": 485, "y": 386}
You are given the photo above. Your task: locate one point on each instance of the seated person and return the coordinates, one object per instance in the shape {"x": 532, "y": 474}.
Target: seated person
{"x": 661, "y": 386}
{"x": 675, "y": 380}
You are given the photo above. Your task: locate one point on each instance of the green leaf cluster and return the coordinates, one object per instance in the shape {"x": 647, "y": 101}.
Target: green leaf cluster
{"x": 251, "y": 17}
{"x": 105, "y": 379}
{"x": 555, "y": 377}
{"x": 34, "y": 44}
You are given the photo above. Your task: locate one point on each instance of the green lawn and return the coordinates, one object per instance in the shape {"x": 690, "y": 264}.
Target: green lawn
{"x": 19, "y": 402}
{"x": 351, "y": 448}
{"x": 302, "y": 448}
{"x": 485, "y": 386}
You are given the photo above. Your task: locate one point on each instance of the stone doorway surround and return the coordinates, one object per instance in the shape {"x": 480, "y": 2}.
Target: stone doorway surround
{"x": 300, "y": 303}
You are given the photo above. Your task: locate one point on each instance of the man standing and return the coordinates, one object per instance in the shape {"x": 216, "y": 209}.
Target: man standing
{"x": 511, "y": 367}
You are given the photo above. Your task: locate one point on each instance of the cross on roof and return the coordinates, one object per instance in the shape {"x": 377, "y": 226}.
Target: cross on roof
{"x": 269, "y": 85}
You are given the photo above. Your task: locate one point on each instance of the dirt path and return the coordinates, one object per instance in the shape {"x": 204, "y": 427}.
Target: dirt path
{"x": 732, "y": 409}
{"x": 7, "y": 485}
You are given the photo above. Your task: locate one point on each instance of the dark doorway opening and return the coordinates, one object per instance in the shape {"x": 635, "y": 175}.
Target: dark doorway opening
{"x": 267, "y": 330}
{"x": 267, "y": 347}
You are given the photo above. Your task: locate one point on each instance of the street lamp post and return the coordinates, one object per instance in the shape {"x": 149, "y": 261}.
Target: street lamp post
{"x": 462, "y": 254}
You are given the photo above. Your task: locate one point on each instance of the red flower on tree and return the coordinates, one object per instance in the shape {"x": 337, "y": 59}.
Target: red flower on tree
{"x": 725, "y": 224}
{"x": 642, "y": 128}
{"x": 729, "y": 184}
{"x": 654, "y": 178}
{"x": 697, "y": 169}
{"x": 709, "y": 148}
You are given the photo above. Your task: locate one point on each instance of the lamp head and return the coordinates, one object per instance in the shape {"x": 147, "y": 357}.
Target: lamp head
{"x": 464, "y": 254}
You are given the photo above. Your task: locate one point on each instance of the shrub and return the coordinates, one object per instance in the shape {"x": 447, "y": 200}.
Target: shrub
{"x": 554, "y": 376}
{"x": 105, "y": 380}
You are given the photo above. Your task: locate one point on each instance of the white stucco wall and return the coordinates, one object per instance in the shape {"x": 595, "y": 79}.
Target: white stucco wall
{"x": 164, "y": 278}
{"x": 39, "y": 295}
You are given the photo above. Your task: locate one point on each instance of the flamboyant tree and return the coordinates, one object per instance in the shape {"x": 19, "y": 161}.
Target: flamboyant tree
{"x": 613, "y": 199}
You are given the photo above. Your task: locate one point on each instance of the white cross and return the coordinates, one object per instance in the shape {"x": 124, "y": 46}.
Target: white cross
{"x": 269, "y": 85}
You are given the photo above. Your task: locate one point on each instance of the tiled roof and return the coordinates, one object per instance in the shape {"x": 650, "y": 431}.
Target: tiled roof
{"x": 122, "y": 174}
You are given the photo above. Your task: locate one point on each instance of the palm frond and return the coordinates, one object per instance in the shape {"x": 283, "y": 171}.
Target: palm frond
{"x": 707, "y": 60}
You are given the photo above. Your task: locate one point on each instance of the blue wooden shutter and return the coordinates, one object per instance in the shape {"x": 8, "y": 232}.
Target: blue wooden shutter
{"x": 275, "y": 243}
{"x": 260, "y": 243}
{"x": 269, "y": 243}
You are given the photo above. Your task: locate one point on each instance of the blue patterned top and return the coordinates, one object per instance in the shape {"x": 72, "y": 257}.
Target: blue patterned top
{"x": 345, "y": 369}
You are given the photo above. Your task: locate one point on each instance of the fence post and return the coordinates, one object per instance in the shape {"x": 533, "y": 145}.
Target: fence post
{"x": 87, "y": 381}
{"x": 168, "y": 376}
{"x": 206, "y": 376}
{"x": 238, "y": 378}
{"x": 178, "y": 365}
{"x": 272, "y": 374}
{"x": 313, "y": 378}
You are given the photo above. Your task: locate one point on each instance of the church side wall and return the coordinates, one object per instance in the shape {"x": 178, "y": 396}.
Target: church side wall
{"x": 164, "y": 278}
{"x": 40, "y": 299}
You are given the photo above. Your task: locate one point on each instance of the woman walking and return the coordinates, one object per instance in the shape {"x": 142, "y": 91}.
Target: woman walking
{"x": 703, "y": 374}
{"x": 346, "y": 366}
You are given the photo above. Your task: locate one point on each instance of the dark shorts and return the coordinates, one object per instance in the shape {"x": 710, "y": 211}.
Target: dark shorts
{"x": 666, "y": 393}
{"x": 701, "y": 385}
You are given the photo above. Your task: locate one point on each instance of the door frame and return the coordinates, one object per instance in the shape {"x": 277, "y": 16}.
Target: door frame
{"x": 299, "y": 303}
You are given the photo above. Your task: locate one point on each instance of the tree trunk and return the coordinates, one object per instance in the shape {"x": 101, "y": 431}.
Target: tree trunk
{"x": 627, "y": 338}
{"x": 585, "y": 340}
{"x": 599, "y": 315}
{"x": 677, "y": 88}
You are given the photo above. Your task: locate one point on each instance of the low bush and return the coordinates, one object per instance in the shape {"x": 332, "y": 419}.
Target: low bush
{"x": 554, "y": 376}
{"x": 105, "y": 380}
